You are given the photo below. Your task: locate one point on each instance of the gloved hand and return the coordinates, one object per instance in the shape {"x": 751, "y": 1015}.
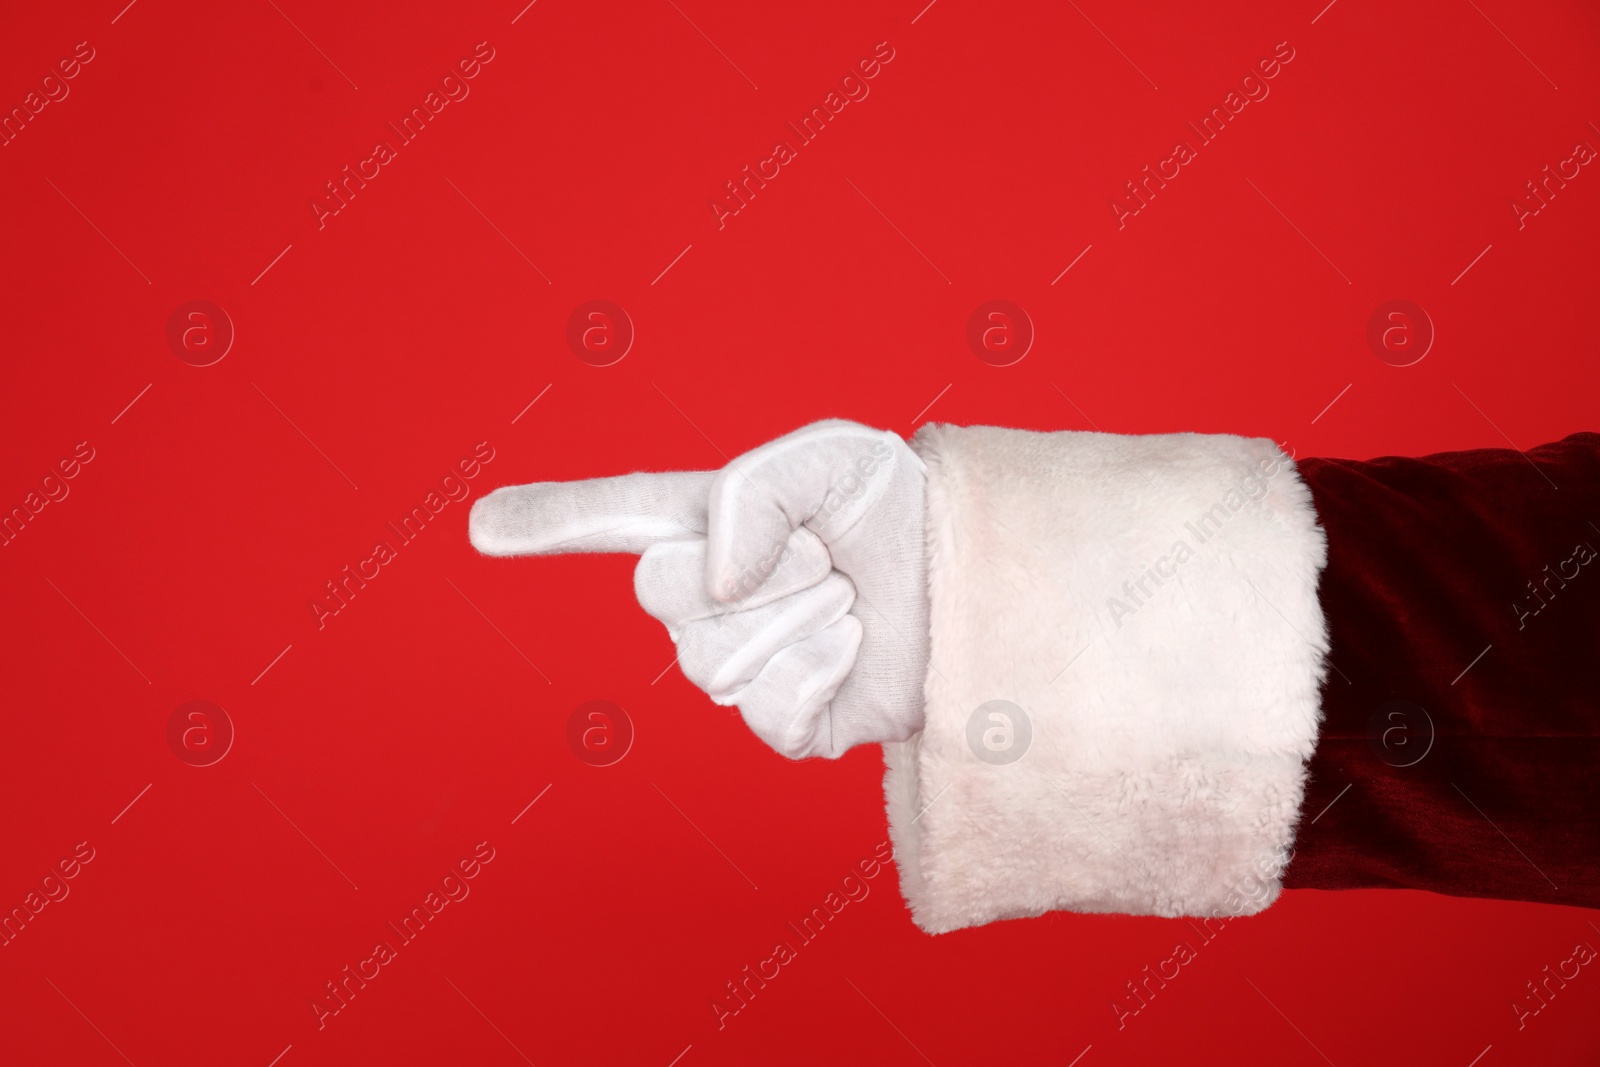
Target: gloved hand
{"x": 793, "y": 581}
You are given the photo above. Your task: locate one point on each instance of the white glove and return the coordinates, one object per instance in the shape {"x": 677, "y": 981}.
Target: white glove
{"x": 793, "y": 581}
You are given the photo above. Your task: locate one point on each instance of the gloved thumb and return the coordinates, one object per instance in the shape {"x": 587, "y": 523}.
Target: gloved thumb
{"x": 824, "y": 476}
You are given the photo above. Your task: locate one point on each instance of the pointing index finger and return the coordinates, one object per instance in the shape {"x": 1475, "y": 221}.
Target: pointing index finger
{"x": 628, "y": 513}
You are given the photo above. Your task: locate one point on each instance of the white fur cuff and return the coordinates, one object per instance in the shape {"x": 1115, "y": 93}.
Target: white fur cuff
{"x": 1127, "y": 649}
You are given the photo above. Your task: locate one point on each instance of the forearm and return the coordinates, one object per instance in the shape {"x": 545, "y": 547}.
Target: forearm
{"x": 1144, "y": 616}
{"x": 1126, "y": 650}
{"x": 1461, "y": 726}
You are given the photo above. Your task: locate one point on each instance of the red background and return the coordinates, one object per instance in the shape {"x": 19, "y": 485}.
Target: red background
{"x": 429, "y": 712}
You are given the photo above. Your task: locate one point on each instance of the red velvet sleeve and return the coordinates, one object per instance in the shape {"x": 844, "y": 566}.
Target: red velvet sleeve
{"x": 1460, "y": 747}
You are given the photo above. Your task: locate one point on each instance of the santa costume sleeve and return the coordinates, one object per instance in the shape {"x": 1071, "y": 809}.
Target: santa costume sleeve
{"x": 1126, "y": 685}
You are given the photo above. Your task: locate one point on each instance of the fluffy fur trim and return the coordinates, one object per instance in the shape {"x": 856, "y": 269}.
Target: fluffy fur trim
{"x": 1146, "y": 609}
